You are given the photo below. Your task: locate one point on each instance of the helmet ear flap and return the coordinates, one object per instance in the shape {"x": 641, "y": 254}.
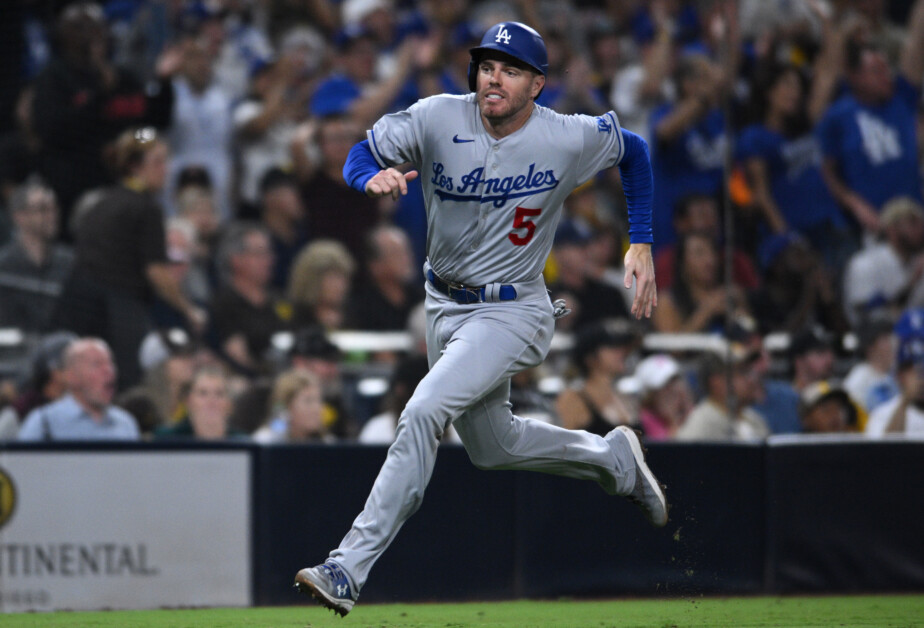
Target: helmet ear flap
{"x": 472, "y": 75}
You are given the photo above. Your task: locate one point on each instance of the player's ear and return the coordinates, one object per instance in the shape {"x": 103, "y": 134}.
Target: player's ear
{"x": 538, "y": 84}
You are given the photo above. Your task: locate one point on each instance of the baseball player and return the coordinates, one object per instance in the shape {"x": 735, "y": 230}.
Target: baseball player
{"x": 495, "y": 170}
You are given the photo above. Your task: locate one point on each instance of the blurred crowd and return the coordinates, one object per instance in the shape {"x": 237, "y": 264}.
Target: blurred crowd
{"x": 179, "y": 251}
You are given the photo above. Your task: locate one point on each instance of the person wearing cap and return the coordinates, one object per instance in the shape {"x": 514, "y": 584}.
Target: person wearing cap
{"x": 879, "y": 279}
{"x": 797, "y": 288}
{"x": 202, "y": 129}
{"x": 283, "y": 213}
{"x": 811, "y": 354}
{"x": 905, "y": 413}
{"x": 714, "y": 418}
{"x": 314, "y": 352}
{"x": 593, "y": 404}
{"x": 265, "y": 121}
{"x": 591, "y": 299}
{"x": 665, "y": 398}
{"x": 828, "y": 409}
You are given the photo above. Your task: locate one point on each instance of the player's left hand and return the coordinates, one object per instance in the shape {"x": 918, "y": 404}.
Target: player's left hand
{"x": 389, "y": 182}
{"x": 640, "y": 264}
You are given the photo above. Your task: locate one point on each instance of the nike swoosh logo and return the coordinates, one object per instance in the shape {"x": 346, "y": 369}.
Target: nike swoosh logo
{"x": 456, "y": 140}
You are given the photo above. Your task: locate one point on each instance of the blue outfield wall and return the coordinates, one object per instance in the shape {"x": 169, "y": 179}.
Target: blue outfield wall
{"x": 788, "y": 516}
{"x": 834, "y": 516}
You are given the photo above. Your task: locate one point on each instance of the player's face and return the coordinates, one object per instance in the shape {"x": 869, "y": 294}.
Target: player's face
{"x": 506, "y": 91}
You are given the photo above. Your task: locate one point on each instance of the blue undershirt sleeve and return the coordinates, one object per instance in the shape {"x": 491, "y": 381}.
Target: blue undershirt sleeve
{"x": 360, "y": 166}
{"x": 637, "y": 183}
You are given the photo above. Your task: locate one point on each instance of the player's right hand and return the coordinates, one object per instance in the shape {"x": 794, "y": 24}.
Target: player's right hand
{"x": 389, "y": 182}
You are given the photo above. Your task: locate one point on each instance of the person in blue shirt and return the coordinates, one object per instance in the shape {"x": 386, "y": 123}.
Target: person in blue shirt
{"x": 688, "y": 142}
{"x": 868, "y": 136}
{"x": 85, "y": 412}
{"x": 782, "y": 159}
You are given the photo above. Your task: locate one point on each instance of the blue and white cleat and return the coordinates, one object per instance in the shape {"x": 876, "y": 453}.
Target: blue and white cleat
{"x": 329, "y": 585}
{"x": 648, "y": 493}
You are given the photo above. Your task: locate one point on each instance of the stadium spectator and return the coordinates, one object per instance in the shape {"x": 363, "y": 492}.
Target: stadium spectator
{"x": 265, "y": 122}
{"x": 168, "y": 357}
{"x": 196, "y": 203}
{"x": 811, "y": 353}
{"x": 358, "y": 89}
{"x": 569, "y": 84}
{"x": 798, "y": 289}
{"x": 868, "y": 136}
{"x": 871, "y": 381}
{"x": 86, "y": 411}
{"x": 782, "y": 159}
{"x": 880, "y": 278}
{"x": 208, "y": 408}
{"x": 688, "y": 141}
{"x": 724, "y": 414}
{"x": 44, "y": 382}
{"x": 296, "y": 411}
{"x": 315, "y": 353}
{"x": 237, "y": 35}
{"x": 828, "y": 409}
{"x": 33, "y": 267}
{"x": 391, "y": 286}
{"x": 590, "y": 299}
{"x": 201, "y": 131}
{"x": 698, "y": 298}
{"x": 380, "y": 429}
{"x": 699, "y": 213}
{"x": 82, "y": 101}
{"x": 283, "y": 214}
{"x": 600, "y": 355}
{"x": 181, "y": 240}
{"x": 642, "y": 84}
{"x": 334, "y": 210}
{"x": 777, "y": 401}
{"x": 19, "y": 148}
{"x": 665, "y": 396}
{"x": 904, "y": 414}
{"x": 319, "y": 284}
{"x": 121, "y": 257}
{"x": 245, "y": 311}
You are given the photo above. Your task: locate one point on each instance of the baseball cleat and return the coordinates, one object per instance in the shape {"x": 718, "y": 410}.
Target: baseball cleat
{"x": 328, "y": 584}
{"x": 648, "y": 493}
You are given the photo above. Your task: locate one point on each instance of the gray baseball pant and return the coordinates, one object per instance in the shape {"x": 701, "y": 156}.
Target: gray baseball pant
{"x": 473, "y": 351}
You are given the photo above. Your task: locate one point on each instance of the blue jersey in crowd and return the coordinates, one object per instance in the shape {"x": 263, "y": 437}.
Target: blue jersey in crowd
{"x": 875, "y": 146}
{"x": 794, "y": 177}
{"x": 690, "y": 163}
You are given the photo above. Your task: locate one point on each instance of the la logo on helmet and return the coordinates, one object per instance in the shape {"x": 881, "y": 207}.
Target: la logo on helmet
{"x": 502, "y": 34}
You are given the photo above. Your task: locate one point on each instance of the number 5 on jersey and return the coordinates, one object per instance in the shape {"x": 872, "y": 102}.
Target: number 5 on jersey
{"x": 520, "y": 222}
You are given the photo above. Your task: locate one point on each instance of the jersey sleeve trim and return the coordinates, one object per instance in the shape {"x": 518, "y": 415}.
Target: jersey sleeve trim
{"x": 617, "y": 128}
{"x": 375, "y": 150}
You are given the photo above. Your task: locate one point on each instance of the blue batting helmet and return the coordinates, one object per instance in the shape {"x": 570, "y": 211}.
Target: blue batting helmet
{"x": 516, "y": 40}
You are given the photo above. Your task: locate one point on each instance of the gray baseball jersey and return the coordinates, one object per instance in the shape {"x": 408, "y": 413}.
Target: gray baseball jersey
{"x": 493, "y": 205}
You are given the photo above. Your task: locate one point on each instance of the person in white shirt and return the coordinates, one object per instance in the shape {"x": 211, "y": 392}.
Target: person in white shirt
{"x": 905, "y": 413}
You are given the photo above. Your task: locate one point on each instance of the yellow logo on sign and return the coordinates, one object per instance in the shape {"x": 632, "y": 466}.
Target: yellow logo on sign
{"x": 7, "y": 497}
